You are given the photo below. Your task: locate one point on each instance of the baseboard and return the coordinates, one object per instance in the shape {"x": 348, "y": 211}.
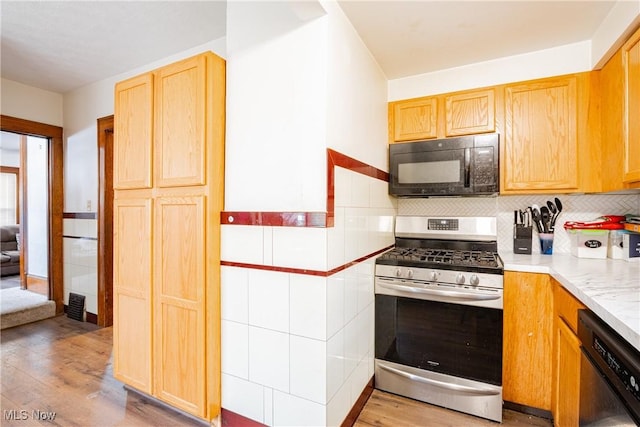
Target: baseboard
{"x": 231, "y": 419}
{"x": 352, "y": 416}
{"x": 89, "y": 317}
{"x": 530, "y": 410}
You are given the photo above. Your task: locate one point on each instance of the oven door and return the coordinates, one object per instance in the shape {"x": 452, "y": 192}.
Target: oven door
{"x": 452, "y": 339}
{"x": 444, "y": 353}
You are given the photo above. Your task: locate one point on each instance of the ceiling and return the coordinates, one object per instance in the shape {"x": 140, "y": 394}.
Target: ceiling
{"x": 62, "y": 45}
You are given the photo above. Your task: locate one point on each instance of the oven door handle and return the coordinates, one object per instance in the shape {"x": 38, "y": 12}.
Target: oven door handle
{"x": 442, "y": 384}
{"x": 437, "y": 292}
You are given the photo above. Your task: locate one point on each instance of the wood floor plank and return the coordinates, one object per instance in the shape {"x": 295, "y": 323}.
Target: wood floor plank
{"x": 388, "y": 410}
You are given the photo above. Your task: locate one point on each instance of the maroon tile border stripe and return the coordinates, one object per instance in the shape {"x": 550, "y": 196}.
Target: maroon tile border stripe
{"x": 79, "y": 215}
{"x": 307, "y": 219}
{"x": 304, "y": 270}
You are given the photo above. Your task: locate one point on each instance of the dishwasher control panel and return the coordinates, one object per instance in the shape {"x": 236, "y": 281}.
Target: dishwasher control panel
{"x": 629, "y": 378}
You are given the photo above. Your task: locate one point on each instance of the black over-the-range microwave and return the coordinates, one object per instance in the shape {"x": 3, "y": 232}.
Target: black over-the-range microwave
{"x": 461, "y": 166}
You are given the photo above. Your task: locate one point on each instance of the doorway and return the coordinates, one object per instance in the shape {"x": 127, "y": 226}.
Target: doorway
{"x": 54, "y": 193}
{"x": 105, "y": 221}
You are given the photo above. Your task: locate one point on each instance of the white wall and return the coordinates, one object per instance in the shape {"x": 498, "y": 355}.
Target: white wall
{"x": 566, "y": 59}
{"x": 82, "y": 108}
{"x": 298, "y": 347}
{"x": 30, "y": 103}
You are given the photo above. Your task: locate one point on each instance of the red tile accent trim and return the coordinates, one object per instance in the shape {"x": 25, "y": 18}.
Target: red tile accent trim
{"x": 304, "y": 270}
{"x": 307, "y": 219}
{"x": 79, "y": 215}
{"x": 231, "y": 419}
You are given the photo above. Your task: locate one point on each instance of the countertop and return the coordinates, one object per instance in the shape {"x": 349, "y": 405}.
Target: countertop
{"x": 610, "y": 288}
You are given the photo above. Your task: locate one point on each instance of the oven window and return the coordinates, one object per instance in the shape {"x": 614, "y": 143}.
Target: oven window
{"x": 447, "y": 171}
{"x": 452, "y": 339}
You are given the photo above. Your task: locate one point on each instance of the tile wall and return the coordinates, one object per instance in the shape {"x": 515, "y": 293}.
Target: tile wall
{"x": 297, "y": 327}
{"x": 80, "y": 243}
{"x": 575, "y": 208}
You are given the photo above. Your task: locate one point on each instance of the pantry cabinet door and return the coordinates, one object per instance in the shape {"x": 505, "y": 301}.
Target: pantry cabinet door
{"x": 132, "y": 283}
{"x": 179, "y": 308}
{"x": 471, "y": 112}
{"x": 540, "y": 142}
{"x": 414, "y": 119}
{"x": 180, "y": 123}
{"x": 133, "y": 133}
{"x": 631, "y": 56}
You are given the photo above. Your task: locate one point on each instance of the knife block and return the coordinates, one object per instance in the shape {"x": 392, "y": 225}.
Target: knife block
{"x": 522, "y": 239}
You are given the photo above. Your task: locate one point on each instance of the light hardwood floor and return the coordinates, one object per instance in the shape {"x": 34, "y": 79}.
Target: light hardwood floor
{"x": 64, "y": 367}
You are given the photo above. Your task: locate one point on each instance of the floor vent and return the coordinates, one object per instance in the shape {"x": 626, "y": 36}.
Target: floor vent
{"x": 75, "y": 309}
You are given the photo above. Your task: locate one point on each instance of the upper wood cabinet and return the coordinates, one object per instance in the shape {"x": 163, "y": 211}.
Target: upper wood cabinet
{"x": 414, "y": 119}
{"x": 631, "y": 61}
{"x": 441, "y": 116}
{"x": 470, "y": 112}
{"x": 540, "y": 143}
{"x": 169, "y": 133}
{"x": 133, "y": 133}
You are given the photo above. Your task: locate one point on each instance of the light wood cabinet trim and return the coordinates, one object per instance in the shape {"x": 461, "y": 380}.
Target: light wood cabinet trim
{"x": 470, "y": 112}
{"x": 415, "y": 119}
{"x": 527, "y": 339}
{"x": 631, "y": 62}
{"x": 133, "y": 142}
{"x": 541, "y": 146}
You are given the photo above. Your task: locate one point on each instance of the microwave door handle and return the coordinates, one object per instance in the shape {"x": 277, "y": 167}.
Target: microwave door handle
{"x": 467, "y": 167}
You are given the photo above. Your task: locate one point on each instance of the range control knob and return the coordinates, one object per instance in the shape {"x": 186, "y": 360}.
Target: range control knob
{"x": 474, "y": 280}
{"x": 434, "y": 275}
{"x": 398, "y": 272}
{"x": 409, "y": 274}
{"x": 460, "y": 279}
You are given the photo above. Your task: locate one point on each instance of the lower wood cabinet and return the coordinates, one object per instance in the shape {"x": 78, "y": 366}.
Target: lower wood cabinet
{"x": 528, "y": 340}
{"x": 566, "y": 358}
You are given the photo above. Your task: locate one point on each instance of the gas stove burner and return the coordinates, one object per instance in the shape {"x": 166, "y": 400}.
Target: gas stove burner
{"x": 443, "y": 256}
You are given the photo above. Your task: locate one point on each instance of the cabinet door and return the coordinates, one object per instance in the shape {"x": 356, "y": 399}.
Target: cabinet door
{"x": 133, "y": 133}
{"x": 527, "y": 343}
{"x": 631, "y": 56}
{"x": 180, "y": 123}
{"x": 566, "y": 406}
{"x": 132, "y": 282}
{"x": 540, "y": 141}
{"x": 470, "y": 113}
{"x": 415, "y": 119}
{"x": 179, "y": 302}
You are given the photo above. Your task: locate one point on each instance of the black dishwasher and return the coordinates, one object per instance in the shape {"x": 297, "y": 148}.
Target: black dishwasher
{"x": 609, "y": 375}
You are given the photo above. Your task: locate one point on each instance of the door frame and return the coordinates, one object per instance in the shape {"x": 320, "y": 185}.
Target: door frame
{"x": 105, "y": 221}
{"x": 56, "y": 198}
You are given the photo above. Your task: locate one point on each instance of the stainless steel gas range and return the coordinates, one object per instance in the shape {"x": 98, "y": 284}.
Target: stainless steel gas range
{"x": 438, "y": 314}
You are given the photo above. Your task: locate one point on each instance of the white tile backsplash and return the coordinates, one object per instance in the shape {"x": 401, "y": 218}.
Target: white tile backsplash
{"x": 269, "y": 358}
{"x": 242, "y": 243}
{"x": 300, "y": 247}
{"x": 308, "y": 307}
{"x": 243, "y": 397}
{"x": 269, "y": 300}
{"x": 292, "y": 411}
{"x": 308, "y": 369}
{"x": 576, "y": 207}
{"x": 235, "y": 349}
{"x": 235, "y": 294}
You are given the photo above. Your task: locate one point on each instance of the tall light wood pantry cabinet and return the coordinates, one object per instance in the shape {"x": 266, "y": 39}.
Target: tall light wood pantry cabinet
{"x": 168, "y": 182}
